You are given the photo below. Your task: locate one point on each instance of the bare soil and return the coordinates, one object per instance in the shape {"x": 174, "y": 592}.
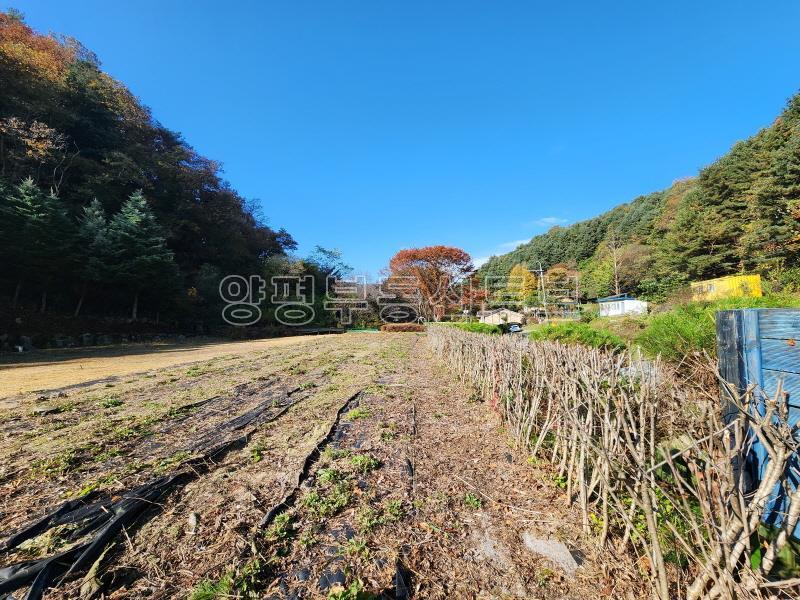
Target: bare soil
{"x": 52, "y": 369}
{"x": 331, "y": 465}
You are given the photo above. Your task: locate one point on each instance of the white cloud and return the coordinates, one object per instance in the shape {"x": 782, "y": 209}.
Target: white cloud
{"x": 513, "y": 244}
{"x": 497, "y": 250}
{"x": 548, "y": 222}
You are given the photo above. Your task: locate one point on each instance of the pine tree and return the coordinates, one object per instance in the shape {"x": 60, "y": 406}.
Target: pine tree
{"x": 93, "y": 249}
{"x": 38, "y": 235}
{"x": 140, "y": 258}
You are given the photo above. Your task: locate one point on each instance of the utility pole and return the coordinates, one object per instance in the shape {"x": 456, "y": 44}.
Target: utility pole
{"x": 613, "y": 245}
{"x": 542, "y": 291}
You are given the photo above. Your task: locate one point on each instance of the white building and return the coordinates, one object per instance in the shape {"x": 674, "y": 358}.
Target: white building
{"x": 500, "y": 316}
{"x": 616, "y": 306}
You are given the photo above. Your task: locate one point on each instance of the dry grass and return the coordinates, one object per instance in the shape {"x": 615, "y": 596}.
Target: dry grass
{"x": 54, "y": 369}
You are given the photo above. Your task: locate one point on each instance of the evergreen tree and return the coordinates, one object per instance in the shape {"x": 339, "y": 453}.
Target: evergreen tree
{"x": 38, "y": 235}
{"x": 140, "y": 259}
{"x": 93, "y": 249}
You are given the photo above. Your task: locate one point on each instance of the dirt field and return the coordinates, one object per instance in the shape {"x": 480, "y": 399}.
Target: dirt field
{"x": 321, "y": 468}
{"x": 52, "y": 369}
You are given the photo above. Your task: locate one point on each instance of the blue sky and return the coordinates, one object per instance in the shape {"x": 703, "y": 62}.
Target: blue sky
{"x": 375, "y": 125}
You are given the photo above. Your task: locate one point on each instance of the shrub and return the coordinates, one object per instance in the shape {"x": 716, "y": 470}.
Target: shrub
{"x": 402, "y": 327}
{"x": 691, "y": 328}
{"x": 474, "y": 327}
{"x": 578, "y": 333}
{"x": 590, "y": 313}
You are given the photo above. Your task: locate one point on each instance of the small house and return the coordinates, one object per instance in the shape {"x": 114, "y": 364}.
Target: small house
{"x": 500, "y": 316}
{"x": 621, "y": 304}
{"x": 732, "y": 286}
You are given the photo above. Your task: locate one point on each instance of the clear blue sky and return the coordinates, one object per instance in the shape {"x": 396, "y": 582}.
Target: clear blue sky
{"x": 376, "y": 125}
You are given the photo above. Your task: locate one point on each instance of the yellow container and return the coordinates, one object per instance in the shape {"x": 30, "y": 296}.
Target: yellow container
{"x": 732, "y": 286}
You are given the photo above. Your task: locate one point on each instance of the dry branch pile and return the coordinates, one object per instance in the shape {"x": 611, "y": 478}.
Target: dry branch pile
{"x": 655, "y": 468}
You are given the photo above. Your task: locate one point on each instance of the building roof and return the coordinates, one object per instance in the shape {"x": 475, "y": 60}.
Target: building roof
{"x": 494, "y": 311}
{"x": 616, "y": 298}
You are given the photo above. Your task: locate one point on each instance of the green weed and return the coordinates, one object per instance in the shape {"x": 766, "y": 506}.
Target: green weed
{"x": 281, "y": 528}
{"x": 328, "y": 504}
{"x": 472, "y": 501}
{"x": 355, "y": 591}
{"x": 356, "y": 549}
{"x": 329, "y": 475}
{"x": 357, "y": 413}
{"x": 364, "y": 463}
{"x": 368, "y": 519}
{"x": 393, "y": 511}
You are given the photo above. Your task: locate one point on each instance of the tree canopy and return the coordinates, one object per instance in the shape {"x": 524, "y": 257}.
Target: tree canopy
{"x": 431, "y": 273}
{"x": 94, "y": 190}
{"x": 740, "y": 214}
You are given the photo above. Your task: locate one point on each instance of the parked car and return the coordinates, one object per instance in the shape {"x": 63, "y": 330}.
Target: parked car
{"x": 515, "y": 328}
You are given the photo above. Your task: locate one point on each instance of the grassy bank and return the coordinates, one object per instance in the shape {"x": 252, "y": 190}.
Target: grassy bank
{"x": 674, "y": 333}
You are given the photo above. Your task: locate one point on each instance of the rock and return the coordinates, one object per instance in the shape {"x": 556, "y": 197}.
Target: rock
{"x": 193, "y": 519}
{"x": 553, "y": 550}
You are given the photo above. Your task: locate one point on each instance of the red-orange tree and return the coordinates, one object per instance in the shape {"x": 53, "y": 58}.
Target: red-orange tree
{"x": 432, "y": 270}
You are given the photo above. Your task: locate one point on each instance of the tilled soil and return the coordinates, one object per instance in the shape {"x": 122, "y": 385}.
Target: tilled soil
{"x": 337, "y": 466}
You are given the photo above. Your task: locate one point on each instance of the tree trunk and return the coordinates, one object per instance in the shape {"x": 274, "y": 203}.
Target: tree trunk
{"x": 44, "y": 302}
{"x": 135, "y": 310}
{"x": 17, "y": 290}
{"x": 80, "y": 301}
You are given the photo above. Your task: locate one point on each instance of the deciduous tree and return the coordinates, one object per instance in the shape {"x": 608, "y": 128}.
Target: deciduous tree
{"x": 432, "y": 270}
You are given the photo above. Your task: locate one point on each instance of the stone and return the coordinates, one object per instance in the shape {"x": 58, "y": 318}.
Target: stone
{"x": 553, "y": 550}
{"x": 193, "y": 521}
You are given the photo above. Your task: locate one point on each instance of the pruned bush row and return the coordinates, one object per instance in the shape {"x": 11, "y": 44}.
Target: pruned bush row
{"x": 400, "y": 327}
{"x": 473, "y": 327}
{"x": 648, "y": 459}
{"x": 578, "y": 333}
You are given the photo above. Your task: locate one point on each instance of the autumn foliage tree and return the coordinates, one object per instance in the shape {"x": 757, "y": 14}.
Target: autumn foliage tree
{"x": 431, "y": 273}
{"x": 523, "y": 285}
{"x": 75, "y": 144}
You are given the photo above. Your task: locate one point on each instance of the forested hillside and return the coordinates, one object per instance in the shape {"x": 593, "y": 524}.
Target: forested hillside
{"x": 742, "y": 213}
{"x": 103, "y": 210}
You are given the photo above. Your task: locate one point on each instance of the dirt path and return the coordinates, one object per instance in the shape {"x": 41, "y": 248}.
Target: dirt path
{"x": 350, "y": 464}
{"x": 54, "y": 369}
{"x": 449, "y": 511}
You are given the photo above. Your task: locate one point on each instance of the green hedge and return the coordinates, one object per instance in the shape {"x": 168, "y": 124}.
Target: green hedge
{"x": 691, "y": 328}
{"x": 573, "y": 332}
{"x": 474, "y": 327}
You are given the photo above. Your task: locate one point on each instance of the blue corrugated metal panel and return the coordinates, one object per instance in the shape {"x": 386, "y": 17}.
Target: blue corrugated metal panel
{"x": 759, "y": 346}
{"x": 780, "y": 355}
{"x": 779, "y": 323}
{"x": 791, "y": 387}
